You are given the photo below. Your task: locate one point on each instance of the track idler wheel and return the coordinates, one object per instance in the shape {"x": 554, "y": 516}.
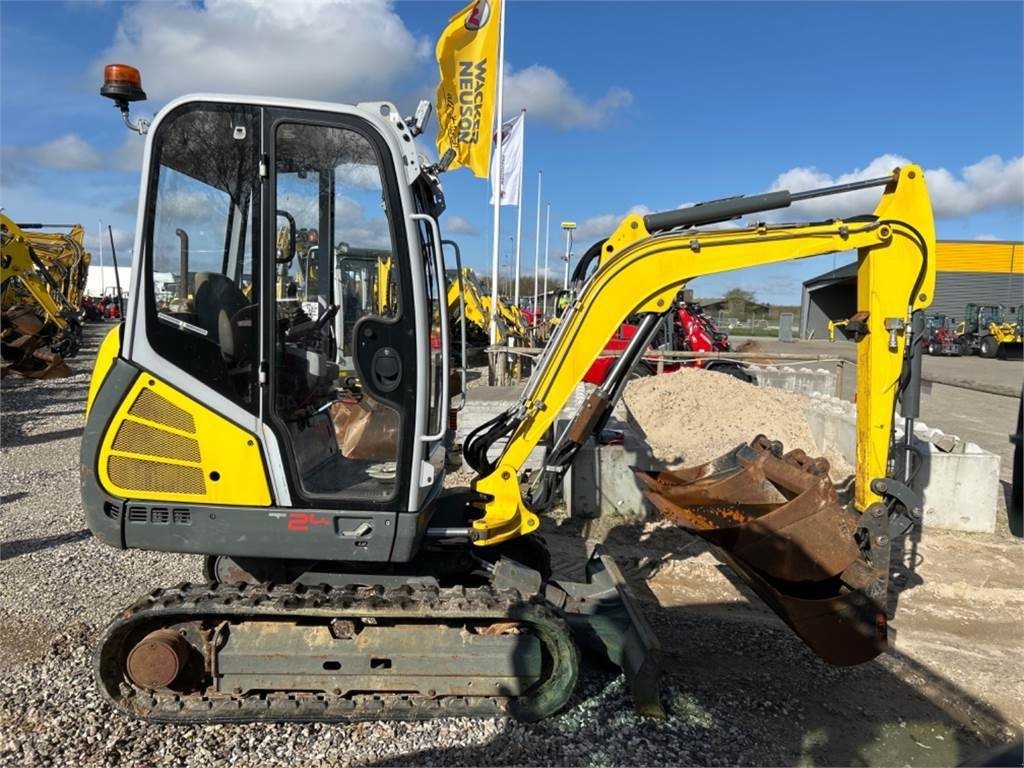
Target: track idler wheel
{"x": 158, "y": 659}
{"x": 776, "y": 520}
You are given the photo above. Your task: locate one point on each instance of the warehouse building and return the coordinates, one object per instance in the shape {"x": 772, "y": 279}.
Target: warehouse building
{"x": 968, "y": 272}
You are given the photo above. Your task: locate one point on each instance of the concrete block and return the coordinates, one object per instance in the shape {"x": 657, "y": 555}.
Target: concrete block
{"x": 805, "y": 380}
{"x": 958, "y": 481}
{"x": 600, "y": 482}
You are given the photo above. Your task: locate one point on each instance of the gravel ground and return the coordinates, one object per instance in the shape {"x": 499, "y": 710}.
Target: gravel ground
{"x": 733, "y": 697}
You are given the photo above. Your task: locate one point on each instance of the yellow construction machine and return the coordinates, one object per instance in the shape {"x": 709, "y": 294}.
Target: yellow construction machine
{"x": 990, "y": 331}
{"x": 43, "y": 284}
{"x": 468, "y": 298}
{"x": 344, "y": 580}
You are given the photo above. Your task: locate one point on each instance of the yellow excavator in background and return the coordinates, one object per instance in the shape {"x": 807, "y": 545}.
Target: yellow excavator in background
{"x": 345, "y": 582}
{"x": 43, "y": 284}
{"x": 475, "y": 304}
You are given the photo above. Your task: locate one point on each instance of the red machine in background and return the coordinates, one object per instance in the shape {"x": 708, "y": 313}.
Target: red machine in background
{"x": 688, "y": 329}
{"x": 941, "y": 336}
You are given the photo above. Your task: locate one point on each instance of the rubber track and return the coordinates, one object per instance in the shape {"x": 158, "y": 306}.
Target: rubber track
{"x": 219, "y": 602}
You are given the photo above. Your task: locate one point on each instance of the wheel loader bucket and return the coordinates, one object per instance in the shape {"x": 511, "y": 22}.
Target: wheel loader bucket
{"x": 776, "y": 520}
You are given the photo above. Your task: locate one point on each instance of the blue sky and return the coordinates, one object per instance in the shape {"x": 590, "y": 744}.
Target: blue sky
{"x": 629, "y": 104}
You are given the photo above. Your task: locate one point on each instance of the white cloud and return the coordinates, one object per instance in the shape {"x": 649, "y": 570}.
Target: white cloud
{"x": 16, "y": 170}
{"x": 603, "y": 225}
{"x": 989, "y": 184}
{"x": 191, "y": 205}
{"x": 986, "y": 236}
{"x": 127, "y": 156}
{"x": 547, "y": 96}
{"x": 459, "y": 226}
{"x": 70, "y": 152}
{"x": 124, "y": 239}
{"x": 301, "y": 49}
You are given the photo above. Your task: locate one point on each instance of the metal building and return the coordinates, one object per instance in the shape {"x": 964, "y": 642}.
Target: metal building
{"x": 968, "y": 271}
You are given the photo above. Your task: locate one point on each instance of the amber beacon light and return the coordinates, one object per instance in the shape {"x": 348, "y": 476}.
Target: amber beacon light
{"x": 123, "y": 84}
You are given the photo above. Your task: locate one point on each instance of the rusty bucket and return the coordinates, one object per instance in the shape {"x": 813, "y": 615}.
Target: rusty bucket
{"x": 776, "y": 520}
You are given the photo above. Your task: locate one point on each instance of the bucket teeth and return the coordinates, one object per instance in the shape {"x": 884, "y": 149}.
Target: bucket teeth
{"x": 775, "y": 519}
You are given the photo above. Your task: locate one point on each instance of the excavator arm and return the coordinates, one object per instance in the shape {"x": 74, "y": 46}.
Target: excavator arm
{"x": 640, "y": 271}
{"x": 775, "y": 518}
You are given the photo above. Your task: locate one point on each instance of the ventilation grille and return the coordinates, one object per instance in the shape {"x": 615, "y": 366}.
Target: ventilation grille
{"x": 136, "y": 437}
{"x": 152, "y": 407}
{"x": 181, "y": 517}
{"x": 159, "y": 515}
{"x": 142, "y": 475}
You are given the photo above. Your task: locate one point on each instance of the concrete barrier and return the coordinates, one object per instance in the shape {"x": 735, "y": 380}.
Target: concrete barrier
{"x": 958, "y": 480}
{"x": 804, "y": 380}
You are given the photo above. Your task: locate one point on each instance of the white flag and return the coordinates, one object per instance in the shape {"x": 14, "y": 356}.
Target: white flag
{"x": 511, "y": 161}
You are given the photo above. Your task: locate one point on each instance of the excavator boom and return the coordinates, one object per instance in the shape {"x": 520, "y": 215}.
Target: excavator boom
{"x": 774, "y": 517}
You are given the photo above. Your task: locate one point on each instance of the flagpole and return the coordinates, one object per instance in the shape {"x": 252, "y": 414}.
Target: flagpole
{"x": 547, "y": 251}
{"x": 519, "y": 211}
{"x": 103, "y": 279}
{"x": 536, "y": 251}
{"x": 496, "y": 219}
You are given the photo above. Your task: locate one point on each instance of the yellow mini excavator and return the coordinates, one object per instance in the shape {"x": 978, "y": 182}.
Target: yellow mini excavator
{"x": 344, "y": 581}
{"x": 43, "y": 284}
{"x": 467, "y": 298}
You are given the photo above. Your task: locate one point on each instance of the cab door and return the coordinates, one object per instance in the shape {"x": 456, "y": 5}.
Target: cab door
{"x": 343, "y": 370}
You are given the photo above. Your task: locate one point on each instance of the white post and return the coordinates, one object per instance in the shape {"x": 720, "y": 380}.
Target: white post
{"x": 547, "y": 251}
{"x": 103, "y": 281}
{"x": 496, "y": 219}
{"x": 536, "y": 250}
{"x": 568, "y": 252}
{"x": 519, "y": 220}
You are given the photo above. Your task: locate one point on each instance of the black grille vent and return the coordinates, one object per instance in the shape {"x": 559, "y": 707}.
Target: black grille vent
{"x": 138, "y": 515}
{"x": 160, "y": 515}
{"x": 112, "y": 511}
{"x": 181, "y": 516}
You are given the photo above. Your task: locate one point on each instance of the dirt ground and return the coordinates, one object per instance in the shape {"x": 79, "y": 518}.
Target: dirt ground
{"x": 949, "y": 690}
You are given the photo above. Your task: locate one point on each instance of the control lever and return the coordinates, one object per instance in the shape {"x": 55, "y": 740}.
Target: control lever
{"x": 311, "y": 326}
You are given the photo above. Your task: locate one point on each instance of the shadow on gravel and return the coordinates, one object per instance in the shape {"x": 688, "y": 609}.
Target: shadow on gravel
{"x": 739, "y": 688}
{"x": 749, "y": 694}
{"x": 19, "y": 438}
{"x": 12, "y": 497}
{"x": 11, "y": 549}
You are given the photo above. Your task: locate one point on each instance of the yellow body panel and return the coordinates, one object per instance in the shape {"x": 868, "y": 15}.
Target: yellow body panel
{"x": 639, "y": 272}
{"x": 162, "y": 445}
{"x": 998, "y": 258}
{"x": 105, "y": 357}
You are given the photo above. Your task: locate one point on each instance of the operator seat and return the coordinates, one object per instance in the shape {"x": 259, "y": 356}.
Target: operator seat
{"x": 218, "y": 305}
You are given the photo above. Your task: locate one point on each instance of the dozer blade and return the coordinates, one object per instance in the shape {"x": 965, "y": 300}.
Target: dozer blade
{"x": 776, "y": 520}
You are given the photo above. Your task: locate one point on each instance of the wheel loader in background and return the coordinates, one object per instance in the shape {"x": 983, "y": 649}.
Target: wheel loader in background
{"x": 42, "y": 289}
{"x": 990, "y": 331}
{"x": 350, "y": 584}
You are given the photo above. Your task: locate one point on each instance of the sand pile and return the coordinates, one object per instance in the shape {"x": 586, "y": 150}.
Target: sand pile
{"x": 692, "y": 416}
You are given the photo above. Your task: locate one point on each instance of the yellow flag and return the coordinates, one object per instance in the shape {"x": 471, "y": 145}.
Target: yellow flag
{"x": 467, "y": 55}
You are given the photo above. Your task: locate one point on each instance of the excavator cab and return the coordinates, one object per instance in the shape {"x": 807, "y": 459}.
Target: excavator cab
{"x": 279, "y": 220}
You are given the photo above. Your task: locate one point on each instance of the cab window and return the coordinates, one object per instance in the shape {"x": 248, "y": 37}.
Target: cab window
{"x": 200, "y": 269}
